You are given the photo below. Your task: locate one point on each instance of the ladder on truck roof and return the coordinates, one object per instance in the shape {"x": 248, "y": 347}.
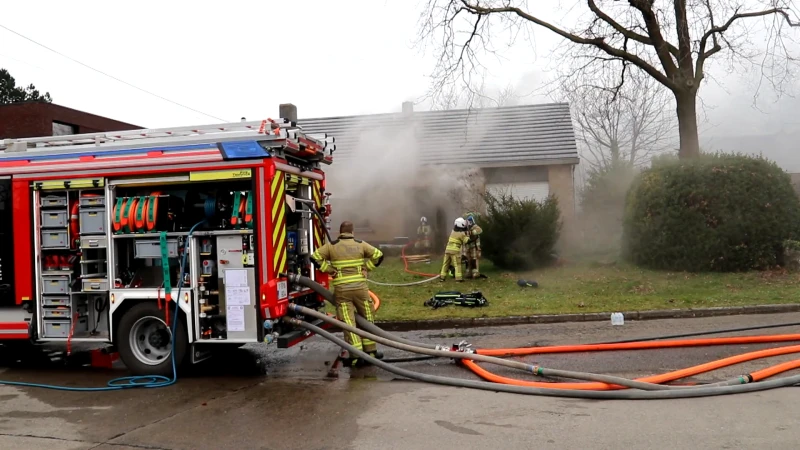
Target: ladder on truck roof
{"x": 272, "y": 134}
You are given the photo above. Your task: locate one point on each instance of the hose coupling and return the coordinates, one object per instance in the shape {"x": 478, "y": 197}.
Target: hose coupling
{"x": 463, "y": 347}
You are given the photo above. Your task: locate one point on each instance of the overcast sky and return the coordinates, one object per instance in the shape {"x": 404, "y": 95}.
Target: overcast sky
{"x": 242, "y": 58}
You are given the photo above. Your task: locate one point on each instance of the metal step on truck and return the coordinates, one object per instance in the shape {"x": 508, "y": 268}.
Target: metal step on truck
{"x": 96, "y": 230}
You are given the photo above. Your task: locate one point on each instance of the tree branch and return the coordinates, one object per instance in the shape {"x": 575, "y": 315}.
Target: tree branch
{"x": 598, "y": 42}
{"x": 712, "y": 32}
{"x": 627, "y": 33}
{"x": 659, "y": 43}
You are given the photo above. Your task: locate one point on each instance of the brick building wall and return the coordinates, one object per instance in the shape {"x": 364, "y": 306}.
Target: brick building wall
{"x": 35, "y": 119}
{"x": 562, "y": 186}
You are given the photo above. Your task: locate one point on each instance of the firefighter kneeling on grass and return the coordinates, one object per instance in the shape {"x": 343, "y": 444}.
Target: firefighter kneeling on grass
{"x": 347, "y": 260}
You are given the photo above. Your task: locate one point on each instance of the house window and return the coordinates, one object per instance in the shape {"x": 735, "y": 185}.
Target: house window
{"x": 63, "y": 129}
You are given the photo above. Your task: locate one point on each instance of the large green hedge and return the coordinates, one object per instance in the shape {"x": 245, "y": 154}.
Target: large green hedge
{"x": 519, "y": 234}
{"x": 720, "y": 212}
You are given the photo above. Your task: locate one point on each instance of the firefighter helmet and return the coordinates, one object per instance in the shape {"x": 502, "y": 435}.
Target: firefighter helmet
{"x": 423, "y": 219}
{"x": 461, "y": 223}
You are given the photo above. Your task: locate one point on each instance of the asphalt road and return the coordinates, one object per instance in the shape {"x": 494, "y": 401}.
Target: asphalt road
{"x": 262, "y": 398}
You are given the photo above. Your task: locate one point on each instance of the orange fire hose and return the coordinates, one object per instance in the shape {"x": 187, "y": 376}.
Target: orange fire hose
{"x": 661, "y": 378}
{"x": 638, "y": 345}
{"x": 375, "y": 300}
{"x": 645, "y": 345}
{"x": 405, "y": 263}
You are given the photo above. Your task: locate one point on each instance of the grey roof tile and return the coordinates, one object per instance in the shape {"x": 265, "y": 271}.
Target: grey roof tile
{"x": 515, "y": 135}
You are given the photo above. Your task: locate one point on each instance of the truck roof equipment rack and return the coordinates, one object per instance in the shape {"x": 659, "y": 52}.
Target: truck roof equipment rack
{"x": 274, "y": 135}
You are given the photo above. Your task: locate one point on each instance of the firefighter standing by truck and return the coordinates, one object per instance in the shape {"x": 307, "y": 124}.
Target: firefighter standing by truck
{"x": 348, "y": 260}
{"x": 452, "y": 254}
{"x": 472, "y": 250}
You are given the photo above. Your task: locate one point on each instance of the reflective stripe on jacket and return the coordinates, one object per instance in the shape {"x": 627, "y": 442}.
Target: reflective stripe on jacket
{"x": 474, "y": 232}
{"x": 349, "y": 257}
{"x": 457, "y": 240}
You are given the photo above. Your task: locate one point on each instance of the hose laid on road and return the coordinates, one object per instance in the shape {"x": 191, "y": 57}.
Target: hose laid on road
{"x": 699, "y": 391}
{"x": 738, "y": 340}
{"x": 601, "y": 387}
{"x": 705, "y": 333}
{"x": 534, "y": 369}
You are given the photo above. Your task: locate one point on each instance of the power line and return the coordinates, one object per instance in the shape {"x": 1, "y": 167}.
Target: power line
{"x": 110, "y": 76}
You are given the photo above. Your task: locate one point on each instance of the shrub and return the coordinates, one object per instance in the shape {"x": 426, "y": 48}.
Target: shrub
{"x": 519, "y": 234}
{"x": 721, "y": 212}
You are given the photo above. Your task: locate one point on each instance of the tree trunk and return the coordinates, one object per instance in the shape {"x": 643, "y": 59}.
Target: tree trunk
{"x": 687, "y": 125}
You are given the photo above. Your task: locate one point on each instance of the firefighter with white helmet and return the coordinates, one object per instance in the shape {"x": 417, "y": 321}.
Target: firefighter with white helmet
{"x": 423, "y": 235}
{"x": 452, "y": 254}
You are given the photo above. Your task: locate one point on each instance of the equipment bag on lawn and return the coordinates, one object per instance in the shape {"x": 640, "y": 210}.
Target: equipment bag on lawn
{"x": 472, "y": 300}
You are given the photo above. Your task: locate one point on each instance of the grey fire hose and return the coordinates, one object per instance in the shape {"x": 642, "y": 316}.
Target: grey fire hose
{"x": 723, "y": 388}
{"x": 700, "y": 391}
{"x": 363, "y": 323}
{"x": 534, "y": 369}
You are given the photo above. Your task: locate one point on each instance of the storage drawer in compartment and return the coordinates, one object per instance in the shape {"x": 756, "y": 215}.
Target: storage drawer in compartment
{"x": 53, "y": 200}
{"x": 151, "y": 248}
{"x": 56, "y": 301}
{"x": 56, "y": 313}
{"x": 94, "y": 242}
{"x": 59, "y": 328}
{"x": 95, "y": 284}
{"x": 90, "y": 201}
{"x": 56, "y": 328}
{"x": 93, "y": 221}
{"x": 55, "y": 285}
{"x": 55, "y": 239}
{"x": 54, "y": 219}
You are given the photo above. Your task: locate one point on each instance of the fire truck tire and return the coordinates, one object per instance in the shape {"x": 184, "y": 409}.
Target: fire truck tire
{"x": 144, "y": 341}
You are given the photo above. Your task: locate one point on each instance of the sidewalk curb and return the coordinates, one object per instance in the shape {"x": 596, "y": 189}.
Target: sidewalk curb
{"x": 439, "y": 324}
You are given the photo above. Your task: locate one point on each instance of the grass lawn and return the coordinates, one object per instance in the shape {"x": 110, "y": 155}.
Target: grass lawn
{"x": 578, "y": 288}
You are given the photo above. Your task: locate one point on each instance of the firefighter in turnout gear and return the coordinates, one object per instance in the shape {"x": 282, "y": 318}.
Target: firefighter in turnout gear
{"x": 347, "y": 260}
{"x": 452, "y": 254}
{"x": 423, "y": 236}
{"x": 472, "y": 250}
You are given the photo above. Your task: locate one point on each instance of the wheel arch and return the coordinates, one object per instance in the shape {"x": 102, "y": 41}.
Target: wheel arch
{"x": 119, "y": 312}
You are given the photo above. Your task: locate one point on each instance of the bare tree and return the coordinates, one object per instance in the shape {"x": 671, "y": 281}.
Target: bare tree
{"x": 670, "y": 41}
{"x": 627, "y": 126}
{"x": 453, "y": 96}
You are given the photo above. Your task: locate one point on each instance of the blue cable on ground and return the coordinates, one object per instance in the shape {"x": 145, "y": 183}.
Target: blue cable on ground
{"x": 141, "y": 381}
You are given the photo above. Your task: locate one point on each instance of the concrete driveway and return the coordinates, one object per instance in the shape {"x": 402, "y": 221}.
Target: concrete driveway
{"x": 264, "y": 398}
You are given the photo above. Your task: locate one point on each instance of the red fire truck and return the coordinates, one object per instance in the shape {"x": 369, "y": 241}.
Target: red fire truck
{"x": 99, "y": 232}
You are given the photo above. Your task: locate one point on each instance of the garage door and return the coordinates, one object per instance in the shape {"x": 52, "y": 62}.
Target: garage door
{"x": 536, "y": 190}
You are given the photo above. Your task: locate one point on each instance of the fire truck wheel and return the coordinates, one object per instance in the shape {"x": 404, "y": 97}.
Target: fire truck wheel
{"x": 145, "y": 341}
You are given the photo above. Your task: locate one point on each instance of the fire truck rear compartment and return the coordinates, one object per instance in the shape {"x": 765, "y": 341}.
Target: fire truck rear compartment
{"x": 99, "y": 224}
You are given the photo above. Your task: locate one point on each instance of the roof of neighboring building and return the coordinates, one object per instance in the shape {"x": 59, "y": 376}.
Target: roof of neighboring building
{"x": 491, "y": 137}
{"x": 16, "y": 119}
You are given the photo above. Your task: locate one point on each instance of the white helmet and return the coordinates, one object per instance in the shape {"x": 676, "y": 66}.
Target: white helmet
{"x": 461, "y": 223}
{"x": 423, "y": 219}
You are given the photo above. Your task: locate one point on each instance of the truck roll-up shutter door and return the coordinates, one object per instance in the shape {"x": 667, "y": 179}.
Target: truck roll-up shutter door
{"x": 80, "y": 183}
{"x": 533, "y": 190}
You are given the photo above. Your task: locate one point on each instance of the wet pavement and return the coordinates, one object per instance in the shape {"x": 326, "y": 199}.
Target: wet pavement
{"x": 264, "y": 398}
